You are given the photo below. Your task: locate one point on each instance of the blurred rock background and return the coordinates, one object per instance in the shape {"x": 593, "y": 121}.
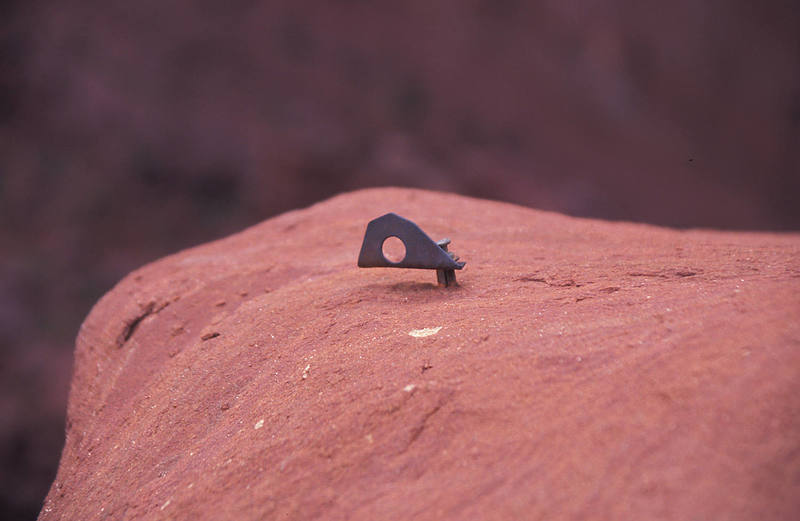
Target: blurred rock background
{"x": 130, "y": 130}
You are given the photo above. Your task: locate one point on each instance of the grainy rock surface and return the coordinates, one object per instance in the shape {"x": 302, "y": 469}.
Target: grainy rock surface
{"x": 581, "y": 369}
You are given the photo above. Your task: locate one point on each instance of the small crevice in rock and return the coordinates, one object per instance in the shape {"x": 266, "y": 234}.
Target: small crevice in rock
{"x": 419, "y": 427}
{"x": 550, "y": 281}
{"x": 130, "y": 325}
{"x": 665, "y": 274}
{"x": 531, "y": 278}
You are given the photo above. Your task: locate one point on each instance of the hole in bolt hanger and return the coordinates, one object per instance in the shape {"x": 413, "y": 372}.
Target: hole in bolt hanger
{"x": 394, "y": 249}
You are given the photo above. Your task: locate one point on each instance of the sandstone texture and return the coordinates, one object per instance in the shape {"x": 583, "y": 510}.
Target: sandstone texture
{"x": 581, "y": 369}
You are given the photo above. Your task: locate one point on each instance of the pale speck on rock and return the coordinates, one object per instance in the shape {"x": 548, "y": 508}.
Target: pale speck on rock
{"x": 428, "y": 331}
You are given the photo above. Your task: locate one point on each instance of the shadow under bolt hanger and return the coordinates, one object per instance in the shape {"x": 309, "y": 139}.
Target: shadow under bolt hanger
{"x": 421, "y": 251}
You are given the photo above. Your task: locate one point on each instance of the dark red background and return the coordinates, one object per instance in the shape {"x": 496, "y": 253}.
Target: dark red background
{"x": 130, "y": 130}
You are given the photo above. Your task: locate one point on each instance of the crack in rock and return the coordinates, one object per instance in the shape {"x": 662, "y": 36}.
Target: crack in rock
{"x": 130, "y": 325}
{"x": 553, "y": 282}
{"x": 420, "y": 426}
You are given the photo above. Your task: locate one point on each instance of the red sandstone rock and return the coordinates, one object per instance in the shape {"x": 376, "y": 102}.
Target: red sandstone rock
{"x": 582, "y": 369}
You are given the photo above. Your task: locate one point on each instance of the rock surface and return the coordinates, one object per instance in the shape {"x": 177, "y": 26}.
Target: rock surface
{"x": 581, "y": 369}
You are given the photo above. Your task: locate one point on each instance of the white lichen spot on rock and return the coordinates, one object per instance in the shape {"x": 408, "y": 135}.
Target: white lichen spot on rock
{"x": 305, "y": 371}
{"x": 165, "y": 505}
{"x": 410, "y": 387}
{"x": 259, "y": 424}
{"x": 428, "y": 331}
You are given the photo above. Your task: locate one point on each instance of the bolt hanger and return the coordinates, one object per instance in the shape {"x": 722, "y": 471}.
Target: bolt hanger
{"x": 421, "y": 251}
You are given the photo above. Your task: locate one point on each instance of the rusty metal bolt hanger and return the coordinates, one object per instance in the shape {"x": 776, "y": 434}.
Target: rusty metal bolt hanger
{"x": 421, "y": 251}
